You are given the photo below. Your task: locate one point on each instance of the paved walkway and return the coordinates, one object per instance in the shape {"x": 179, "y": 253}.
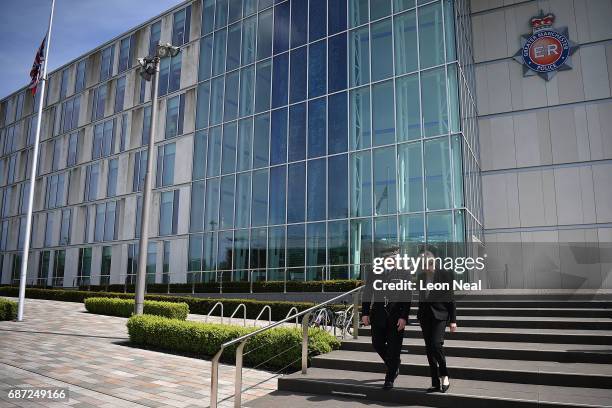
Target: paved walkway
{"x": 61, "y": 345}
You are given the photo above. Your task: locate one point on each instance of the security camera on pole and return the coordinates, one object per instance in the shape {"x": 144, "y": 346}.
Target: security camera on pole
{"x": 149, "y": 70}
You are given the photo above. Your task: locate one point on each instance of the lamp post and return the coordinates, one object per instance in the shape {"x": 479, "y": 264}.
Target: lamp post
{"x": 149, "y": 70}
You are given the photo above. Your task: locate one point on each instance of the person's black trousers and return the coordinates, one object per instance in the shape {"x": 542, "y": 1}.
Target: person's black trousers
{"x": 387, "y": 342}
{"x": 433, "y": 334}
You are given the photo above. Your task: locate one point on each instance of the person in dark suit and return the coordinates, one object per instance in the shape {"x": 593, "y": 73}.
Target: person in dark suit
{"x": 436, "y": 311}
{"x": 388, "y": 318}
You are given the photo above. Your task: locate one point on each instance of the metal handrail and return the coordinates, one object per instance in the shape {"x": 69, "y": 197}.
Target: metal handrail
{"x": 214, "y": 378}
{"x": 213, "y": 309}
{"x": 291, "y": 311}
{"x": 243, "y": 315}
{"x": 263, "y": 309}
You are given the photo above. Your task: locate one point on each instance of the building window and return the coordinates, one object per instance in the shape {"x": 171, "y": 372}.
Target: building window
{"x": 113, "y": 172}
{"x": 104, "y": 139}
{"x": 84, "y": 267}
{"x": 64, "y": 83}
{"x": 73, "y": 149}
{"x": 91, "y": 181}
{"x": 106, "y": 63}
{"x": 99, "y": 102}
{"x": 57, "y": 151}
{"x": 180, "y": 26}
{"x": 140, "y": 169}
{"x": 105, "y": 266}
{"x": 138, "y": 217}
{"x": 174, "y": 116}
{"x": 168, "y": 212}
{"x": 12, "y": 162}
{"x": 43, "y": 268}
{"x": 70, "y": 113}
{"x": 65, "y": 227}
{"x": 56, "y": 191}
{"x": 79, "y": 83}
{"x": 6, "y": 201}
{"x": 105, "y": 222}
{"x": 23, "y": 198}
{"x": 31, "y": 131}
{"x": 165, "y": 165}
{"x": 119, "y": 94}
{"x": 151, "y": 262}
{"x": 166, "y": 262}
{"x": 154, "y": 37}
{"x": 123, "y": 136}
{"x": 146, "y": 125}
{"x": 126, "y": 51}
{"x": 49, "y": 229}
{"x": 132, "y": 264}
{"x": 59, "y": 262}
{"x": 169, "y": 74}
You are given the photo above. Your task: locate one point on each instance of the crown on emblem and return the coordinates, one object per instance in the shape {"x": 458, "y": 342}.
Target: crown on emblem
{"x": 542, "y": 21}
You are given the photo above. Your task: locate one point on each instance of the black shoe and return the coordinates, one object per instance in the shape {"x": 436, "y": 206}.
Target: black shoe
{"x": 433, "y": 389}
{"x": 388, "y": 385}
{"x": 444, "y": 388}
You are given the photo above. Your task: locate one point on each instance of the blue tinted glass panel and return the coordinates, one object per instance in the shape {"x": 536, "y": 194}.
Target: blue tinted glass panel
{"x": 295, "y": 247}
{"x": 336, "y": 13}
{"x": 276, "y": 248}
{"x": 411, "y": 232}
{"x": 221, "y": 13}
{"x": 316, "y": 190}
{"x": 208, "y": 16}
{"x": 233, "y": 47}
{"x": 379, "y": 8}
{"x": 317, "y": 19}
{"x": 358, "y": 12}
{"x": 259, "y": 203}
{"x": 224, "y": 251}
{"x": 359, "y": 54}
{"x": 299, "y": 22}
{"x": 438, "y": 184}
{"x": 247, "y": 90}
{"x": 199, "y": 155}
{"x": 382, "y": 112}
{"x": 228, "y": 163}
{"x": 440, "y": 226}
{"x": 264, "y": 4}
{"x": 278, "y": 132}
{"x": 337, "y": 245}
{"x": 216, "y": 101}
{"x": 337, "y": 140}
{"x": 405, "y": 39}
{"x": 408, "y": 108}
{"x": 226, "y": 215}
{"x": 249, "y": 7}
{"x": 410, "y": 177}
{"x": 261, "y": 141}
{"x": 281, "y": 27}
{"x": 213, "y": 163}
{"x": 316, "y": 127}
{"x": 262, "y": 86}
{"x": 434, "y": 108}
{"x": 315, "y": 244}
{"x": 431, "y": 35}
{"x": 297, "y": 132}
{"x": 361, "y": 184}
{"x": 206, "y": 49}
{"x": 360, "y": 119}
{"x": 382, "y": 50}
{"x": 235, "y": 10}
{"x": 211, "y": 211}
{"x": 196, "y": 222}
{"x": 249, "y": 31}
{"x": 296, "y": 194}
{"x": 317, "y": 69}
{"x": 298, "y": 75}
{"x": 280, "y": 91}
{"x": 384, "y": 181}
{"x": 337, "y": 63}
{"x": 219, "y": 52}
{"x": 385, "y": 232}
{"x": 264, "y": 35}
{"x": 337, "y": 187}
{"x": 231, "y": 96}
{"x": 245, "y": 144}
{"x": 202, "y": 105}
{"x": 277, "y": 194}
{"x": 243, "y": 199}
{"x": 399, "y": 5}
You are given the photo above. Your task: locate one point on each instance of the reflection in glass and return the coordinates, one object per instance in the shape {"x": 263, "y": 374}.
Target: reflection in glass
{"x": 317, "y": 69}
{"x": 437, "y": 174}
{"x": 277, "y": 194}
{"x": 338, "y": 123}
{"x": 278, "y": 138}
{"x": 243, "y": 199}
{"x": 359, "y": 56}
{"x": 261, "y": 141}
{"x": 226, "y": 216}
{"x": 296, "y": 194}
{"x": 360, "y": 120}
{"x": 431, "y": 35}
{"x": 433, "y": 96}
{"x": 297, "y": 132}
{"x": 384, "y": 181}
{"x": 214, "y": 152}
{"x": 337, "y": 187}
{"x": 316, "y": 127}
{"x": 405, "y": 38}
{"x": 316, "y": 190}
{"x": 259, "y": 201}
{"x": 337, "y": 62}
{"x": 382, "y": 113}
{"x": 382, "y": 50}
{"x": 410, "y": 173}
{"x": 361, "y": 184}
{"x": 407, "y": 108}
{"x": 245, "y": 144}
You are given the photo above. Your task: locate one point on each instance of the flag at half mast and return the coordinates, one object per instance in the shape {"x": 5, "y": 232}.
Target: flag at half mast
{"x": 36, "y": 72}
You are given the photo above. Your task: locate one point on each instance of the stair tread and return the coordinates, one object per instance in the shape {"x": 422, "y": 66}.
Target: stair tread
{"x": 480, "y": 363}
{"x": 476, "y": 389}
{"x": 536, "y": 318}
{"x": 547, "y": 309}
{"x": 413, "y": 326}
{"x": 501, "y": 345}
{"x": 299, "y": 400}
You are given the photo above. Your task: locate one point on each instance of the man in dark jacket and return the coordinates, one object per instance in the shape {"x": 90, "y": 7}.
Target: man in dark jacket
{"x": 388, "y": 317}
{"x": 436, "y": 311}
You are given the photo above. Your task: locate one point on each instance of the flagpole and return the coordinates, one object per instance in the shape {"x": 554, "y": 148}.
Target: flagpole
{"x": 34, "y": 170}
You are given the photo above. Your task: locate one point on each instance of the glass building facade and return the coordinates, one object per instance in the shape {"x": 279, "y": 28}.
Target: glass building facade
{"x": 317, "y": 132}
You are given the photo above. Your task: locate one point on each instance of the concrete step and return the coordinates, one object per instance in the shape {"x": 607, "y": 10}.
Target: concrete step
{"x": 482, "y": 369}
{"x": 505, "y": 302}
{"x": 534, "y": 312}
{"x": 409, "y": 391}
{"x": 602, "y": 337}
{"x": 301, "y": 400}
{"x": 566, "y": 353}
{"x": 536, "y": 322}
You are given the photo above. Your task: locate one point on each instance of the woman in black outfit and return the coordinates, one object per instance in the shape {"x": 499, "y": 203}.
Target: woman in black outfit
{"x": 436, "y": 311}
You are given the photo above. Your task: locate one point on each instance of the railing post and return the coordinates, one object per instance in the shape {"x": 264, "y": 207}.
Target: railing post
{"x": 356, "y": 315}
{"x": 214, "y": 379}
{"x": 238, "y": 378}
{"x": 305, "y": 320}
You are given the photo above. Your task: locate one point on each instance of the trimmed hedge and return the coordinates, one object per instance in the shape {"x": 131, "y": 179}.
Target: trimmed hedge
{"x": 277, "y": 348}
{"x": 8, "y": 309}
{"x": 125, "y": 307}
{"x": 196, "y": 305}
{"x": 235, "y": 287}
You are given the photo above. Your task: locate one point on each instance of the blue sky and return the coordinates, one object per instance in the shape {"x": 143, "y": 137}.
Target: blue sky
{"x": 78, "y": 26}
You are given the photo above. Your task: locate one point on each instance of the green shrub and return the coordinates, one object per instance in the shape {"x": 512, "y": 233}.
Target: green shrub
{"x": 276, "y": 348}
{"x": 8, "y": 309}
{"x": 125, "y": 307}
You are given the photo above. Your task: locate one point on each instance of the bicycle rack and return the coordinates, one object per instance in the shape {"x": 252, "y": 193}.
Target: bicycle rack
{"x": 262, "y": 311}
{"x": 243, "y": 314}
{"x": 293, "y": 309}
{"x": 213, "y": 309}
